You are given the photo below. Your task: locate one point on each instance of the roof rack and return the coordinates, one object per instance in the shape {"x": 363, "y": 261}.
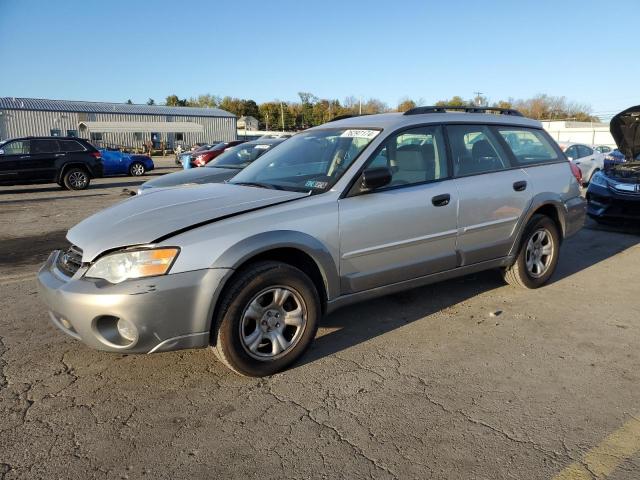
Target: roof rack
{"x": 446, "y": 108}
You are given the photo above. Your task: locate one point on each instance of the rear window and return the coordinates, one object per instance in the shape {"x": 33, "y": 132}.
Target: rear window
{"x": 528, "y": 146}
{"x": 71, "y": 146}
{"x": 44, "y": 146}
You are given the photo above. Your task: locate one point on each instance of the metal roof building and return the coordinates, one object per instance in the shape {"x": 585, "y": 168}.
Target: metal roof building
{"x": 115, "y": 124}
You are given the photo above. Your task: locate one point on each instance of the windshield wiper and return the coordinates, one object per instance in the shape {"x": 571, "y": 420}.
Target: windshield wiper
{"x": 258, "y": 184}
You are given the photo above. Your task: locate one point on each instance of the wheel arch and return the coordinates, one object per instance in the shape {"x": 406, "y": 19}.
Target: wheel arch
{"x": 69, "y": 165}
{"x": 294, "y": 248}
{"x": 552, "y": 207}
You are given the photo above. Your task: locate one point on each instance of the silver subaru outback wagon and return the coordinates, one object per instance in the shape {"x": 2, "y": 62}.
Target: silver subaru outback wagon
{"x": 344, "y": 212}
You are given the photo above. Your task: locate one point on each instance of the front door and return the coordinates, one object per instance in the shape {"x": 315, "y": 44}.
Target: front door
{"x": 493, "y": 195}
{"x": 404, "y": 230}
{"x": 14, "y": 156}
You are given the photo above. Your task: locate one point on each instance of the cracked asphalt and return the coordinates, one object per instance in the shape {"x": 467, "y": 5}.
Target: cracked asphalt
{"x": 423, "y": 384}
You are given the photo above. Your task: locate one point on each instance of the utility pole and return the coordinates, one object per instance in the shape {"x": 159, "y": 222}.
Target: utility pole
{"x": 478, "y": 99}
{"x": 360, "y": 105}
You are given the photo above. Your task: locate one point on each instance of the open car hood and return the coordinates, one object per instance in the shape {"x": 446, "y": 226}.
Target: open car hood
{"x": 625, "y": 128}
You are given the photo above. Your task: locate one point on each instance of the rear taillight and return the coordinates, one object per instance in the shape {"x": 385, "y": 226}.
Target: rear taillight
{"x": 96, "y": 154}
{"x": 576, "y": 172}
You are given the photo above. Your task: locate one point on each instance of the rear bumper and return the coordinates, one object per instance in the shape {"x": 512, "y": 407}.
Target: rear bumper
{"x": 169, "y": 312}
{"x": 606, "y": 204}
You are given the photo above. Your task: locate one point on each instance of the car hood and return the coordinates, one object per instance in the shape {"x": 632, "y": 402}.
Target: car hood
{"x": 192, "y": 175}
{"x": 625, "y": 129}
{"x": 143, "y": 219}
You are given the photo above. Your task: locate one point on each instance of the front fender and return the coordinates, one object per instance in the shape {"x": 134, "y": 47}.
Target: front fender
{"x": 241, "y": 252}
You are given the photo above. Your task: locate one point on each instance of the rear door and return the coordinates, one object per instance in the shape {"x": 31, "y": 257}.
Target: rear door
{"x": 493, "y": 195}
{"x": 45, "y": 153}
{"x": 12, "y": 156}
{"x": 587, "y": 161}
{"x": 407, "y": 229}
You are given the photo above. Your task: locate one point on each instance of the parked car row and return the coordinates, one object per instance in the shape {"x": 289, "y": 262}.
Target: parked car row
{"x": 203, "y": 154}
{"x": 347, "y": 211}
{"x": 223, "y": 168}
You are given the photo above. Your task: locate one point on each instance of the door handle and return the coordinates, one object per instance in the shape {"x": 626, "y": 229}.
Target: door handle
{"x": 60, "y": 154}
{"x": 520, "y": 186}
{"x": 441, "y": 200}
{"x": 25, "y": 156}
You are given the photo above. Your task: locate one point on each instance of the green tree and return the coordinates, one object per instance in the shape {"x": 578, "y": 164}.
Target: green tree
{"x": 405, "y": 104}
{"x": 174, "y": 101}
{"x": 454, "y": 101}
{"x": 129, "y": 102}
{"x": 151, "y": 101}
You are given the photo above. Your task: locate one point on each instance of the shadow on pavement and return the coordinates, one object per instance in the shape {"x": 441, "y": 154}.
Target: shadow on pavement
{"x": 30, "y": 250}
{"x": 358, "y": 323}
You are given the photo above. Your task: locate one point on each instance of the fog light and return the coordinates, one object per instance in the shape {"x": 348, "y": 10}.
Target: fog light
{"x": 65, "y": 323}
{"x": 127, "y": 330}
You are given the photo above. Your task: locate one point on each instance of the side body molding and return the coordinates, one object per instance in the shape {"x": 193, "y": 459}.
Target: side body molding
{"x": 249, "y": 247}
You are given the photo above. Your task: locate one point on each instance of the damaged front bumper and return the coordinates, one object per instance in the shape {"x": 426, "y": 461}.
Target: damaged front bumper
{"x": 168, "y": 312}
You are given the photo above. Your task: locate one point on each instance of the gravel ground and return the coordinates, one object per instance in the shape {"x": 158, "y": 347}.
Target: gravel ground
{"x": 468, "y": 379}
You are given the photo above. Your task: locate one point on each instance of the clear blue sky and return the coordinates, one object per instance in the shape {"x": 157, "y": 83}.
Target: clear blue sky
{"x": 112, "y": 50}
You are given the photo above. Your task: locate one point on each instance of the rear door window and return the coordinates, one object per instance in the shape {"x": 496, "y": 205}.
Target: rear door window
{"x": 44, "y": 146}
{"x": 529, "y": 146}
{"x": 475, "y": 150}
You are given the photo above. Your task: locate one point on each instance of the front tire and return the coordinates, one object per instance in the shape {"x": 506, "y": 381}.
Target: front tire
{"x": 76, "y": 179}
{"x": 268, "y": 317}
{"x": 137, "y": 169}
{"x": 538, "y": 255}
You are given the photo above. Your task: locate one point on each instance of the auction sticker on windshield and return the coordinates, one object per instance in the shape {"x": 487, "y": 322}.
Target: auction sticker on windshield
{"x": 360, "y": 133}
{"x": 261, "y": 147}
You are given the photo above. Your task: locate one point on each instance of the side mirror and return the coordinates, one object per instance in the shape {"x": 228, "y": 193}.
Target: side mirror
{"x": 373, "y": 178}
{"x": 1, "y": 152}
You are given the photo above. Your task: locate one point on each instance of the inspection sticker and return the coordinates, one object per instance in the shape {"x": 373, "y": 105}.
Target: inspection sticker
{"x": 360, "y": 133}
{"x": 315, "y": 184}
{"x": 261, "y": 147}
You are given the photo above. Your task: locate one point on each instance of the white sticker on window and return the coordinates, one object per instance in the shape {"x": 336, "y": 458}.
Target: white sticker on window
{"x": 261, "y": 147}
{"x": 360, "y": 133}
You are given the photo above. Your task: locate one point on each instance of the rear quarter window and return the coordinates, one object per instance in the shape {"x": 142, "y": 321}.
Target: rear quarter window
{"x": 529, "y": 146}
{"x": 71, "y": 146}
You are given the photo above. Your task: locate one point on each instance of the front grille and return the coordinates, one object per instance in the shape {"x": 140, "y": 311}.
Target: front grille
{"x": 70, "y": 261}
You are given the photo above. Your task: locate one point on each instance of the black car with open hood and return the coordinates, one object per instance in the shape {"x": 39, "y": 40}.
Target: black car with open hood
{"x": 614, "y": 194}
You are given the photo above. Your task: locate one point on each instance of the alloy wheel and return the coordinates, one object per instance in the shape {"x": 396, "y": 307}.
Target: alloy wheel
{"x": 539, "y": 252}
{"x": 273, "y": 323}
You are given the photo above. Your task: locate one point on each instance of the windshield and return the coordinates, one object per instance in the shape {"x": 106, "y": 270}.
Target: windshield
{"x": 239, "y": 156}
{"x": 309, "y": 161}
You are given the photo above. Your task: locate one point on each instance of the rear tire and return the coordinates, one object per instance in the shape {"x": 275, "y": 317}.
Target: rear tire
{"x": 267, "y": 317}
{"x": 76, "y": 179}
{"x": 136, "y": 169}
{"x": 538, "y": 255}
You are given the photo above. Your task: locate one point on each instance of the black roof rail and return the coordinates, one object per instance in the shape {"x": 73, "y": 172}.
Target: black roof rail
{"x": 341, "y": 117}
{"x": 446, "y": 108}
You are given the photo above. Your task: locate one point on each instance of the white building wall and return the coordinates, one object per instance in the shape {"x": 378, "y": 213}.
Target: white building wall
{"x": 23, "y": 123}
{"x": 580, "y": 132}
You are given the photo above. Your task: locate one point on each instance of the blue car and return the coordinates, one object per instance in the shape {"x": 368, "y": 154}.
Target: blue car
{"x": 119, "y": 163}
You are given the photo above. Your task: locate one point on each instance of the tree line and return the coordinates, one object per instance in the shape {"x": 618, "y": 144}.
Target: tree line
{"x": 310, "y": 110}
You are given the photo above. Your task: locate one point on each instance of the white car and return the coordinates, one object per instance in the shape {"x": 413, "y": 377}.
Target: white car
{"x": 586, "y": 158}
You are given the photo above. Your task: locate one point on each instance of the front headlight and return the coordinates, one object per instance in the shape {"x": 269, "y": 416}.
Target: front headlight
{"x": 118, "y": 267}
{"x": 599, "y": 179}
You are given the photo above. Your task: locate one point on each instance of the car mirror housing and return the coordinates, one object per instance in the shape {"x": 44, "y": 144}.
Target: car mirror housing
{"x": 373, "y": 178}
